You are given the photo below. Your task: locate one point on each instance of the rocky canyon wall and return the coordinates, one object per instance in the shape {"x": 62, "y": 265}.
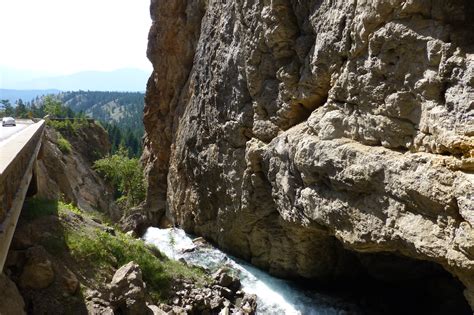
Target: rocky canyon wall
{"x": 293, "y": 133}
{"x": 69, "y": 176}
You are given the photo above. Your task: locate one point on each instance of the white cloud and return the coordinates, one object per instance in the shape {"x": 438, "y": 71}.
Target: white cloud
{"x": 66, "y": 36}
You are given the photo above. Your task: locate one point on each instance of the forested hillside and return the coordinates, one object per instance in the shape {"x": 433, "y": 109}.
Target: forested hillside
{"x": 124, "y": 108}
{"x": 120, "y": 113}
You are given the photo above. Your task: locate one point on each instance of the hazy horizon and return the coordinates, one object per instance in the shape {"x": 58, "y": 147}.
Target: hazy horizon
{"x": 45, "y": 74}
{"x": 56, "y": 37}
{"x": 119, "y": 80}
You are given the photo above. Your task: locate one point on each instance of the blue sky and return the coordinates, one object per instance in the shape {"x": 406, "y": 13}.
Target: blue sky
{"x": 67, "y": 36}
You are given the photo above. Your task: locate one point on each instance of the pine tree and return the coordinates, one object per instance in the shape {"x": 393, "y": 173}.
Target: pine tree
{"x": 20, "y": 109}
{"x": 7, "y": 108}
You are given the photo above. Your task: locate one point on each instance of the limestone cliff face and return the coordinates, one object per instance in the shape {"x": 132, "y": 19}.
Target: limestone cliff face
{"x": 289, "y": 131}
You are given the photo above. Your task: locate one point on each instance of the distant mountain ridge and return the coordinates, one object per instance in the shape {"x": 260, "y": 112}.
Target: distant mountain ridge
{"x": 10, "y": 76}
{"x": 25, "y": 95}
{"x": 123, "y": 80}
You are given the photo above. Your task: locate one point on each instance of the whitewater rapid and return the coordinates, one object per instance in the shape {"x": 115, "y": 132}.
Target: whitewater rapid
{"x": 274, "y": 296}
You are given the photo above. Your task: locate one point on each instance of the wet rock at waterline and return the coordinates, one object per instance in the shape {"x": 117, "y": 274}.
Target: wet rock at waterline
{"x": 224, "y": 279}
{"x": 135, "y": 221}
{"x": 293, "y": 133}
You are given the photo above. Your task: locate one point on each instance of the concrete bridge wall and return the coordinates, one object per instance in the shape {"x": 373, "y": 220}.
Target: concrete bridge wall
{"x": 17, "y": 161}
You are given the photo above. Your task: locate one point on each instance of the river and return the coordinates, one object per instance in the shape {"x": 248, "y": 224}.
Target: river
{"x": 274, "y": 295}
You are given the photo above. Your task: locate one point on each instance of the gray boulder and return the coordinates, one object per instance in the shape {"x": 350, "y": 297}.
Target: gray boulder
{"x": 128, "y": 291}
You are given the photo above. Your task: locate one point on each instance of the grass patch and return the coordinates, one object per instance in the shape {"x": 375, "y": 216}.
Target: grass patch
{"x": 102, "y": 250}
{"x": 65, "y": 207}
{"x": 63, "y": 144}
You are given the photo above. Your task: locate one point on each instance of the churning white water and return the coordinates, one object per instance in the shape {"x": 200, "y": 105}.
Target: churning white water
{"x": 274, "y": 296}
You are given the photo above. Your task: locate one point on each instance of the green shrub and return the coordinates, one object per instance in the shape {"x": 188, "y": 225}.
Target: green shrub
{"x": 64, "y": 145}
{"x": 64, "y": 207}
{"x": 126, "y": 174}
{"x": 60, "y": 125}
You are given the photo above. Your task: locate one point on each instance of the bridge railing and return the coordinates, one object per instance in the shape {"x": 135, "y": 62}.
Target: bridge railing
{"x": 17, "y": 159}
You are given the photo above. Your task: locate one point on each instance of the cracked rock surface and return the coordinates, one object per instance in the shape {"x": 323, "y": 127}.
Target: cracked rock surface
{"x": 70, "y": 176}
{"x": 290, "y": 131}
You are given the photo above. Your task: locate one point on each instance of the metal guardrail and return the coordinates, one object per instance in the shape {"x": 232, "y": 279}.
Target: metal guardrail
{"x": 17, "y": 159}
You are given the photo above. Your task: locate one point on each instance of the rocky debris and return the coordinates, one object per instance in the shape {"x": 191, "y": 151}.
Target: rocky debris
{"x": 38, "y": 271}
{"x": 247, "y": 304}
{"x": 97, "y": 303}
{"x": 172, "y": 310}
{"x": 223, "y": 295}
{"x": 156, "y": 310}
{"x": 127, "y": 294}
{"x": 224, "y": 279}
{"x": 289, "y": 132}
{"x": 128, "y": 291}
{"x": 11, "y": 301}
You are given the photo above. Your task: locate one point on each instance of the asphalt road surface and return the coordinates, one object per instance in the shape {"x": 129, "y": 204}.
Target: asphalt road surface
{"x": 8, "y": 131}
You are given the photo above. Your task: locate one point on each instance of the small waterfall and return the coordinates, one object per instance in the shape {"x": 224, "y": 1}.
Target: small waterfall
{"x": 274, "y": 296}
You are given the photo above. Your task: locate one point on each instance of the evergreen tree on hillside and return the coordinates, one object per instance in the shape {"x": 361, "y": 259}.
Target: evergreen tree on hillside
{"x": 7, "y": 108}
{"x": 53, "y": 107}
{"x": 132, "y": 142}
{"x": 21, "y": 110}
{"x": 124, "y": 138}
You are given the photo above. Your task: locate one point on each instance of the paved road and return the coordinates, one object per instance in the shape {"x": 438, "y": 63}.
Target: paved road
{"x": 8, "y": 131}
